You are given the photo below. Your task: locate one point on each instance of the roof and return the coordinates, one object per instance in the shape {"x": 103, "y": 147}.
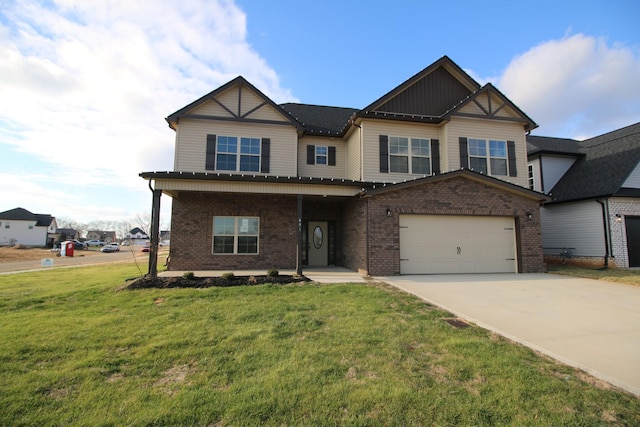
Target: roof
{"x": 537, "y": 145}
{"x": 320, "y": 120}
{"x": 605, "y": 162}
{"x": 368, "y": 188}
{"x": 21, "y": 214}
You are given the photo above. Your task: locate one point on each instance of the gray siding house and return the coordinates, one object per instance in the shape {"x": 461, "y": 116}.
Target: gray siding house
{"x": 594, "y": 215}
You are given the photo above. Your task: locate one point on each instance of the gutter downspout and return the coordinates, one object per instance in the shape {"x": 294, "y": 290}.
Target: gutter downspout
{"x": 607, "y": 231}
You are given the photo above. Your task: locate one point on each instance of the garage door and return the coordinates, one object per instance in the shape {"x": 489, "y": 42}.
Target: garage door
{"x": 435, "y": 244}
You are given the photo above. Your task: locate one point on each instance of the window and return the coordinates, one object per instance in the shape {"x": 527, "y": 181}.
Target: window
{"x": 235, "y": 235}
{"x": 7, "y": 225}
{"x": 31, "y": 227}
{"x": 493, "y": 161}
{"x": 231, "y": 156}
{"x": 321, "y": 155}
{"x": 402, "y": 160}
{"x": 531, "y": 180}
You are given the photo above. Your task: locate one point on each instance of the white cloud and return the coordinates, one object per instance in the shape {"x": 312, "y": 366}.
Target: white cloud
{"x": 576, "y": 87}
{"x": 86, "y": 85}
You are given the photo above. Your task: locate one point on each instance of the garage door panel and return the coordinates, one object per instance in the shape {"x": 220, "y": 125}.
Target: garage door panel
{"x": 437, "y": 244}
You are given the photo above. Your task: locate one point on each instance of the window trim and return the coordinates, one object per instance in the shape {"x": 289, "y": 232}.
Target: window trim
{"x": 531, "y": 176}
{"x": 487, "y": 156}
{"x": 409, "y": 155}
{"x": 236, "y": 235}
{"x": 319, "y": 155}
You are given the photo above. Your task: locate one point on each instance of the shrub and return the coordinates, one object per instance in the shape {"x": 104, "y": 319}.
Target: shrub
{"x": 272, "y": 272}
{"x": 227, "y": 276}
{"x": 189, "y": 275}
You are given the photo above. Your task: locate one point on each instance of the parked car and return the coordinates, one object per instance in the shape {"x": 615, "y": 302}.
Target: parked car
{"x": 111, "y": 247}
{"x": 125, "y": 243}
{"x": 94, "y": 243}
{"x": 146, "y": 248}
{"x": 77, "y": 244}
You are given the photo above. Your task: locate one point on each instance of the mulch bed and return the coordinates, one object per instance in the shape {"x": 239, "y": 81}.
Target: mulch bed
{"x": 207, "y": 282}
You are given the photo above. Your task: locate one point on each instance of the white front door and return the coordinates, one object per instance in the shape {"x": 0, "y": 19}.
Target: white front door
{"x": 318, "y": 240}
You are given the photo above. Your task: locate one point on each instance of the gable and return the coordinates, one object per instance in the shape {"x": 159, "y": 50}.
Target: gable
{"x": 432, "y": 95}
{"x": 490, "y": 103}
{"x": 237, "y": 100}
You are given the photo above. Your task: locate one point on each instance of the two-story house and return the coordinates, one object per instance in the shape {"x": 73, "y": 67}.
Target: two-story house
{"x": 429, "y": 178}
{"x": 594, "y": 215}
{"x": 20, "y": 226}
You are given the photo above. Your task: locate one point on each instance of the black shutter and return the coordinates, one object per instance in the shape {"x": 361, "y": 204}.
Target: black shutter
{"x": 332, "y": 156}
{"x": 384, "y": 154}
{"x": 435, "y": 156}
{"x": 265, "y": 155}
{"x": 210, "y": 158}
{"x": 311, "y": 154}
{"x": 511, "y": 153}
{"x": 464, "y": 153}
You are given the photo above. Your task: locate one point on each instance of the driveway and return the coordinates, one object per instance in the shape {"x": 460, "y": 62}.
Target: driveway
{"x": 589, "y": 324}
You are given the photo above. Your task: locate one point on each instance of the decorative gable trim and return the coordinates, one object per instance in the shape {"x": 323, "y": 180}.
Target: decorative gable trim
{"x": 491, "y": 109}
{"x": 234, "y": 110}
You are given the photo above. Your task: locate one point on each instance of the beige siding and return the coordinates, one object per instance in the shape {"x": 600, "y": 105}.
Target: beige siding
{"x": 322, "y": 171}
{"x": 372, "y": 129}
{"x": 294, "y": 187}
{"x": 192, "y": 142}
{"x": 487, "y": 129}
{"x": 353, "y": 155}
{"x": 211, "y": 108}
{"x": 229, "y": 99}
{"x": 483, "y": 100}
{"x": 264, "y": 112}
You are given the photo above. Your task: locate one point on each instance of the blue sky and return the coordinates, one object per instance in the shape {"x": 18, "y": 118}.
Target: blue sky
{"x": 85, "y": 85}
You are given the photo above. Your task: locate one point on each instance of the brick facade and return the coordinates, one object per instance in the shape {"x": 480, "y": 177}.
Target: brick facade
{"x": 367, "y": 239}
{"x": 623, "y": 207}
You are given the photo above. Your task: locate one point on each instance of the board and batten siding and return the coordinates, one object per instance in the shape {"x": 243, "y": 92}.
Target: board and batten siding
{"x": 322, "y": 171}
{"x": 372, "y": 129}
{"x": 553, "y": 168}
{"x": 191, "y": 143}
{"x": 577, "y": 225}
{"x": 486, "y": 129}
{"x": 633, "y": 180}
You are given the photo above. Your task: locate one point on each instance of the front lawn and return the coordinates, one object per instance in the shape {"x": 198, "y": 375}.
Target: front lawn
{"x": 75, "y": 352}
{"x": 630, "y": 277}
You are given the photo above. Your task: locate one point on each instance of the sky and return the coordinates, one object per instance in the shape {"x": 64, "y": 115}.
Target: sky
{"x": 85, "y": 85}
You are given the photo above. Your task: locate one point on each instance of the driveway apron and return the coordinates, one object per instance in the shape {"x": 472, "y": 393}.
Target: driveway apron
{"x": 589, "y": 324}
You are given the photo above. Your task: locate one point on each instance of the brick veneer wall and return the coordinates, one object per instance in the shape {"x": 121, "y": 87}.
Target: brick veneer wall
{"x": 455, "y": 196}
{"x": 624, "y": 207}
{"x": 192, "y": 231}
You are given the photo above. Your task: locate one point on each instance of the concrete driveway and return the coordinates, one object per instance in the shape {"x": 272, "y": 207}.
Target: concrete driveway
{"x": 589, "y": 324}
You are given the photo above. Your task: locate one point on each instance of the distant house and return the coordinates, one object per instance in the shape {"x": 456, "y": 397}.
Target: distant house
{"x": 19, "y": 226}
{"x": 68, "y": 234}
{"x": 104, "y": 236}
{"x": 594, "y": 217}
{"x": 137, "y": 233}
{"x": 165, "y": 235}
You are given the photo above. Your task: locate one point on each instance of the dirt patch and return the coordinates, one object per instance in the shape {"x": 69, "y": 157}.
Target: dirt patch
{"x": 26, "y": 253}
{"x": 208, "y": 282}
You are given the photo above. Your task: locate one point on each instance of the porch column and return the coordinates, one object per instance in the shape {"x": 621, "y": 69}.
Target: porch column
{"x": 155, "y": 234}
{"x": 299, "y": 255}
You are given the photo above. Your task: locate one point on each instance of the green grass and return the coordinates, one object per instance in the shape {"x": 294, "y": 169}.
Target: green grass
{"x": 75, "y": 352}
{"x": 630, "y": 277}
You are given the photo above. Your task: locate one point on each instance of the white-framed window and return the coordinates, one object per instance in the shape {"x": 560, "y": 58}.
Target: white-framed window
{"x": 532, "y": 182}
{"x": 322, "y": 153}
{"x": 409, "y": 155}
{"x": 243, "y": 157}
{"x": 31, "y": 227}
{"x": 491, "y": 159}
{"x": 235, "y": 234}
{"x": 7, "y": 224}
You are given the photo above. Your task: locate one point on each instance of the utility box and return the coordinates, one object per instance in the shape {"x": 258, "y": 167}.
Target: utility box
{"x": 67, "y": 249}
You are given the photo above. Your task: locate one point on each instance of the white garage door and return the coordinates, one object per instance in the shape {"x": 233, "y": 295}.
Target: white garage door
{"x": 440, "y": 244}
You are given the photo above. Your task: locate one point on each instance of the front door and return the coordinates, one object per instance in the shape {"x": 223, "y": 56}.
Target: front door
{"x": 632, "y": 225}
{"x": 318, "y": 243}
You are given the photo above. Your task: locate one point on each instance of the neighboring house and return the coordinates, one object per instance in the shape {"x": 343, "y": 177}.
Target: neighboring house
{"x": 137, "y": 233}
{"x": 165, "y": 235}
{"x": 19, "y": 226}
{"x": 594, "y": 216}
{"x": 429, "y": 178}
{"x": 67, "y": 234}
{"x": 104, "y": 236}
